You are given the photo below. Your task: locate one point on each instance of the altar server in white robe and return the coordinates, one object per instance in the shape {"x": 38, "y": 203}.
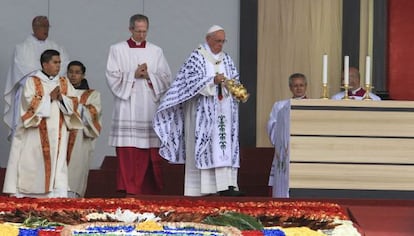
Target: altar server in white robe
{"x": 278, "y": 132}
{"x": 138, "y": 75}
{"x": 82, "y": 142}
{"x": 197, "y": 120}
{"x": 355, "y": 92}
{"x": 37, "y": 162}
{"x": 26, "y": 62}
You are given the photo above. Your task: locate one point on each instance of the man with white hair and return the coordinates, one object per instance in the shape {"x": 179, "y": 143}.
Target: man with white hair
{"x": 197, "y": 120}
{"x": 25, "y": 63}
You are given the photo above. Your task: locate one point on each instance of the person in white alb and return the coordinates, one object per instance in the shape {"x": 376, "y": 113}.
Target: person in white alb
{"x": 37, "y": 162}
{"x": 198, "y": 122}
{"x": 82, "y": 142}
{"x": 277, "y": 128}
{"x": 138, "y": 75}
{"x": 356, "y": 91}
{"x": 26, "y": 62}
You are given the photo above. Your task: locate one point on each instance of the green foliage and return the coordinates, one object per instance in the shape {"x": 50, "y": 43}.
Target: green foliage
{"x": 237, "y": 220}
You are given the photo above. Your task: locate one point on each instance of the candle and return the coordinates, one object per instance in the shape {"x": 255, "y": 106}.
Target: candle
{"x": 346, "y": 70}
{"x": 368, "y": 71}
{"x": 325, "y": 69}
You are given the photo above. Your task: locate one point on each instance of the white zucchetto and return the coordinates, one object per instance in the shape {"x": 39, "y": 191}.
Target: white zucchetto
{"x": 214, "y": 28}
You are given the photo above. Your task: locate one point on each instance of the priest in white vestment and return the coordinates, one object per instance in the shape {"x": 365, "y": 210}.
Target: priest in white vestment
{"x": 138, "y": 75}
{"x": 82, "y": 142}
{"x": 197, "y": 120}
{"x": 26, "y": 62}
{"x": 37, "y": 162}
{"x": 279, "y": 134}
{"x": 356, "y": 92}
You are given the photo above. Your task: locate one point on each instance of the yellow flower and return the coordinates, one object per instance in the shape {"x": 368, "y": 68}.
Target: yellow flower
{"x": 149, "y": 225}
{"x": 9, "y": 230}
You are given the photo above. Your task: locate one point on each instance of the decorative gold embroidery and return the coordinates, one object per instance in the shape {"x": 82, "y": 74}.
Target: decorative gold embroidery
{"x": 91, "y": 108}
{"x": 95, "y": 116}
{"x": 44, "y": 140}
{"x": 37, "y": 98}
{"x": 71, "y": 144}
{"x": 63, "y": 85}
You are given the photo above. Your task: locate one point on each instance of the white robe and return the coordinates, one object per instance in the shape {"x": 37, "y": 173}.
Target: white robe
{"x": 278, "y": 130}
{"x": 340, "y": 95}
{"x": 26, "y": 61}
{"x": 82, "y": 142}
{"x": 197, "y": 128}
{"x": 37, "y": 166}
{"x": 135, "y": 102}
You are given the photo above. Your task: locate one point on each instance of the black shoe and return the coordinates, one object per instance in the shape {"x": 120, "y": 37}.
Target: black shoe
{"x": 231, "y": 192}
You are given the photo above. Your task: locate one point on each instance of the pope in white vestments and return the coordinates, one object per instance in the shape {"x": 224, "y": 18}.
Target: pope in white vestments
{"x": 37, "y": 162}
{"x": 26, "y": 62}
{"x": 197, "y": 120}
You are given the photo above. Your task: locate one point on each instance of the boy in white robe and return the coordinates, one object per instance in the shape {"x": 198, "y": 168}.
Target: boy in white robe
{"x": 37, "y": 162}
{"x": 82, "y": 142}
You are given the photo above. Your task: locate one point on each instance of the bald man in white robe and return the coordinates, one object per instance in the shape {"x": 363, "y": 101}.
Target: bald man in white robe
{"x": 25, "y": 63}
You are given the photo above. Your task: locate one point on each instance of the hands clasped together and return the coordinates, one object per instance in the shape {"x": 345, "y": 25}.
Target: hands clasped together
{"x": 142, "y": 71}
{"x": 55, "y": 94}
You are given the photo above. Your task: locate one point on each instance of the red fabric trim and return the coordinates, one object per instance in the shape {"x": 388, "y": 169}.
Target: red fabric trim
{"x": 133, "y": 44}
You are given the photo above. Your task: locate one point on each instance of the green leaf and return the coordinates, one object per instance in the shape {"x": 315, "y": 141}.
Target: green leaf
{"x": 238, "y": 220}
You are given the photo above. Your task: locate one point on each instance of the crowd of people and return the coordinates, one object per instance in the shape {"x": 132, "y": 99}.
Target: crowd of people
{"x": 192, "y": 119}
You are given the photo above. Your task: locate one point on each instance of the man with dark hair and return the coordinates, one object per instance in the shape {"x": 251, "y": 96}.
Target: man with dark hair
{"x": 138, "y": 75}
{"x": 37, "y": 162}
{"x": 26, "y": 62}
{"x": 82, "y": 142}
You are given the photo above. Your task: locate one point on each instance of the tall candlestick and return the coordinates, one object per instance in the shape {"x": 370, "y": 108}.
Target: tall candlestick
{"x": 368, "y": 71}
{"x": 346, "y": 70}
{"x": 325, "y": 69}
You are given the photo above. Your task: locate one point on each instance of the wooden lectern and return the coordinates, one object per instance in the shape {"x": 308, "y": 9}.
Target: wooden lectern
{"x": 352, "y": 144}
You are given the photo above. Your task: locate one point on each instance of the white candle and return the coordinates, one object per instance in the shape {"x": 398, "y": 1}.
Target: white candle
{"x": 325, "y": 69}
{"x": 346, "y": 70}
{"x": 368, "y": 71}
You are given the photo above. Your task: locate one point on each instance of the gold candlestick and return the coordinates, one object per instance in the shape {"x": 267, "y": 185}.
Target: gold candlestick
{"x": 325, "y": 91}
{"x": 368, "y": 89}
{"x": 346, "y": 89}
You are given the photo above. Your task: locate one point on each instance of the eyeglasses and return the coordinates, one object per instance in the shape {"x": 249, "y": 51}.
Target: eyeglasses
{"x": 220, "y": 40}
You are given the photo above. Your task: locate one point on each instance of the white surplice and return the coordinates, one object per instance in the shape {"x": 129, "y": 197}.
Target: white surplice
{"x": 82, "y": 142}
{"x": 37, "y": 162}
{"x": 278, "y": 130}
{"x": 26, "y": 61}
{"x": 135, "y": 99}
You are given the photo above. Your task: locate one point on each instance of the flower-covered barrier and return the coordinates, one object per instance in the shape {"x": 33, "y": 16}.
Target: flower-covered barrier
{"x": 52, "y": 216}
